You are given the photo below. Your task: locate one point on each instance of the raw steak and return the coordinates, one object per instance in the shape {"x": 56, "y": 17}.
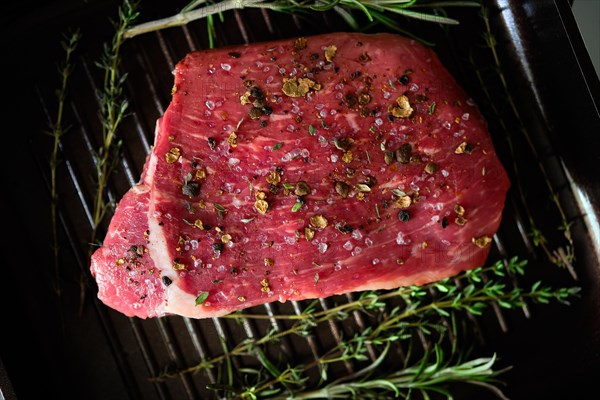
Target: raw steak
{"x": 303, "y": 168}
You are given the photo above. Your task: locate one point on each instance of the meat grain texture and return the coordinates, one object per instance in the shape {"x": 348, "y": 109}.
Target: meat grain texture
{"x": 303, "y": 168}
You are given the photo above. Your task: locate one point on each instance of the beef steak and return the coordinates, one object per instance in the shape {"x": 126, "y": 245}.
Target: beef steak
{"x": 303, "y": 168}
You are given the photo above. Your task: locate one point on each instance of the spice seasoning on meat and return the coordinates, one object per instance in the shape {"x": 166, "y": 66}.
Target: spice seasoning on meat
{"x": 332, "y": 125}
{"x": 403, "y": 201}
{"x": 309, "y": 234}
{"x": 330, "y": 52}
{"x": 201, "y": 298}
{"x": 299, "y": 87}
{"x": 482, "y": 241}
{"x": 172, "y": 155}
{"x": 464, "y": 148}
{"x": 402, "y": 109}
{"x": 342, "y": 188}
{"x": 261, "y": 204}
{"x": 318, "y": 221}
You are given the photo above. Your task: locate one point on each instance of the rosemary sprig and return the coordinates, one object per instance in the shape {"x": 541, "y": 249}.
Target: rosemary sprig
{"x": 425, "y": 377}
{"x": 57, "y": 130}
{"x": 374, "y": 10}
{"x": 408, "y": 310}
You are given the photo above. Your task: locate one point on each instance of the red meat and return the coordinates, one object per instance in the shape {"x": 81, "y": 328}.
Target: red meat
{"x": 303, "y": 168}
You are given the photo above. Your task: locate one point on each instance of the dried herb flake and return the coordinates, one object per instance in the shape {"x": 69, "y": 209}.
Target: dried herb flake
{"x": 201, "y": 298}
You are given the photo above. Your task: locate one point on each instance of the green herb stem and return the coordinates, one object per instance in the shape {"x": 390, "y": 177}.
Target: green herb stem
{"x": 69, "y": 44}
{"x": 473, "y": 296}
{"x": 372, "y": 9}
{"x": 113, "y": 108}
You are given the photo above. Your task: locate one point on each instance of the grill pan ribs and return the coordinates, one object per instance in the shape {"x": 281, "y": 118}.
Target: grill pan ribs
{"x": 303, "y": 168}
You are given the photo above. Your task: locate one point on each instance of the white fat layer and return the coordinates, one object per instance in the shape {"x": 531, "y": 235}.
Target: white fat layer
{"x": 182, "y": 303}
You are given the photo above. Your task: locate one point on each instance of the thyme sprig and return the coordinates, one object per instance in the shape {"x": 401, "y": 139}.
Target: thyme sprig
{"x": 408, "y": 311}
{"x": 374, "y": 10}
{"x": 57, "y": 130}
{"x": 113, "y": 109}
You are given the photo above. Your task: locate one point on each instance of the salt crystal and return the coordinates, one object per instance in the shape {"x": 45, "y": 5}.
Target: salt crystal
{"x": 357, "y": 250}
{"x": 323, "y": 247}
{"x": 400, "y": 238}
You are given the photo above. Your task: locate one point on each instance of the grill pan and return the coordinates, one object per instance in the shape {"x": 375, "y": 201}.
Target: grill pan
{"x": 75, "y": 347}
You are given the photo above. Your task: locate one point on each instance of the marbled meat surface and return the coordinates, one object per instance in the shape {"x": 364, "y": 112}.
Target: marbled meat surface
{"x": 303, "y": 168}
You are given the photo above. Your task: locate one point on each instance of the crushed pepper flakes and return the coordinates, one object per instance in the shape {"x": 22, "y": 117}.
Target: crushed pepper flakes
{"x": 431, "y": 168}
{"x": 172, "y": 155}
{"x": 274, "y": 177}
{"x": 481, "y": 241}
{"x": 364, "y": 99}
{"x": 120, "y": 262}
{"x": 232, "y": 139}
{"x": 342, "y": 188}
{"x": 261, "y": 204}
{"x": 265, "y": 286}
{"x": 177, "y": 266}
{"x": 200, "y": 174}
{"x": 198, "y": 224}
{"x": 226, "y": 238}
{"x": 309, "y": 234}
{"x": 245, "y": 98}
{"x": 403, "y": 202}
{"x": 318, "y": 221}
{"x": 403, "y": 108}
{"x": 299, "y": 87}
{"x": 302, "y": 189}
{"x": 330, "y": 52}
{"x": 464, "y": 148}
{"x": 347, "y": 157}
{"x": 460, "y": 210}
{"x": 300, "y": 43}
